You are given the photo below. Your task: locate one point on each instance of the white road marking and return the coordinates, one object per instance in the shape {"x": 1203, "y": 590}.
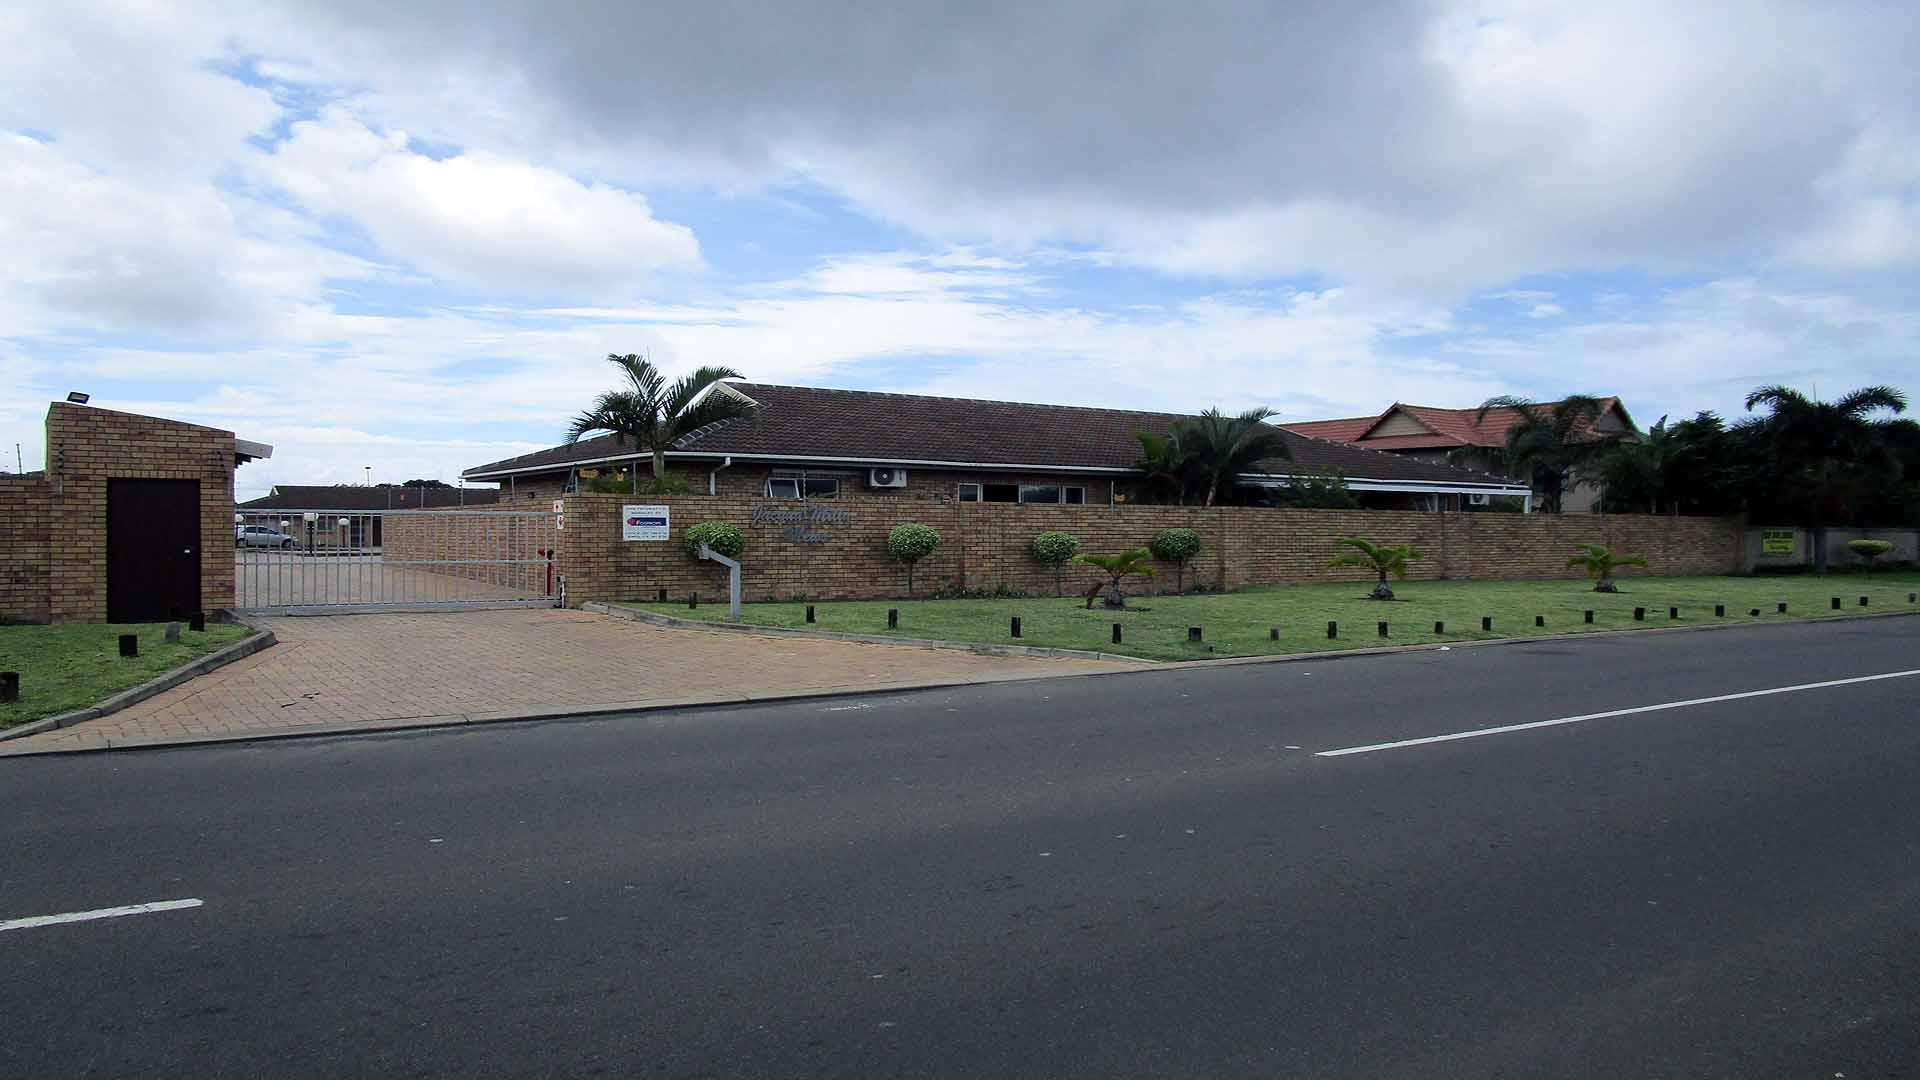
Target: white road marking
{"x": 1506, "y": 728}
{"x": 32, "y": 921}
{"x": 850, "y": 708}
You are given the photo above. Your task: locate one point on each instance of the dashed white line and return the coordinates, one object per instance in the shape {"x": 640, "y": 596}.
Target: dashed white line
{"x": 1507, "y": 728}
{"x": 32, "y": 921}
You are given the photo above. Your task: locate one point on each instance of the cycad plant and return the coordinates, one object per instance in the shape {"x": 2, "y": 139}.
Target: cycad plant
{"x": 1599, "y": 562}
{"x": 1382, "y": 559}
{"x": 654, "y": 415}
{"x": 1118, "y": 567}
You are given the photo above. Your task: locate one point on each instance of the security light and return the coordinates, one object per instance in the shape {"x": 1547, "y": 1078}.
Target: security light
{"x": 78, "y": 398}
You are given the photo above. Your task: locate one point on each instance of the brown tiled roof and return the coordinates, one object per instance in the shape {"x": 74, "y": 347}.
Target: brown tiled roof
{"x": 1345, "y": 430}
{"x": 361, "y": 497}
{"x": 802, "y": 422}
{"x": 1449, "y": 427}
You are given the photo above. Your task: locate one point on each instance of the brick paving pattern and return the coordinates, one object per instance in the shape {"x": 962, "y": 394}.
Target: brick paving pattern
{"x": 345, "y": 670}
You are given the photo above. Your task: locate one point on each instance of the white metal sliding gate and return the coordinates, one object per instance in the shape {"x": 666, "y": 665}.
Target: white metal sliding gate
{"x": 316, "y": 561}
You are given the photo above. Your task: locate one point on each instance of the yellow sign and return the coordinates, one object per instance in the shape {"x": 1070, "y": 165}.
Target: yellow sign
{"x": 1776, "y": 542}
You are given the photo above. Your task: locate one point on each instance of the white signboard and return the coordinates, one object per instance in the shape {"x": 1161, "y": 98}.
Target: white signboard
{"x": 644, "y": 522}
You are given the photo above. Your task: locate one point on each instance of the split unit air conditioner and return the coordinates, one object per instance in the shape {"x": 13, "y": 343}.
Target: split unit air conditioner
{"x": 1482, "y": 499}
{"x": 887, "y": 478}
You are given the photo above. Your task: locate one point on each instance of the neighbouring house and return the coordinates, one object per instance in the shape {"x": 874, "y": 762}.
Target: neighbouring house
{"x": 351, "y": 512}
{"x": 1462, "y": 437}
{"x": 806, "y": 443}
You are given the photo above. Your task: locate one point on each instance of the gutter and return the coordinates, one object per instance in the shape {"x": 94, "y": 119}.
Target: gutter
{"x": 712, "y": 481}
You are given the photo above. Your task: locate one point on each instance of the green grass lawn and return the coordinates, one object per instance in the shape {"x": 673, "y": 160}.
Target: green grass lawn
{"x": 69, "y": 667}
{"x": 1239, "y": 623}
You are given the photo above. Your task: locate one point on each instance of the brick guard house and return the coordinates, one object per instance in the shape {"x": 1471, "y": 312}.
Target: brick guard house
{"x": 806, "y": 443}
{"x": 131, "y": 521}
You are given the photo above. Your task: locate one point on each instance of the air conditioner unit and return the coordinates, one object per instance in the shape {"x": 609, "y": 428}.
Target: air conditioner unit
{"x": 887, "y": 478}
{"x": 1481, "y": 499}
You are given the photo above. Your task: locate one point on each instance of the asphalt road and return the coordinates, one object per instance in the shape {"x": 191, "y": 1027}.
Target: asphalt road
{"x": 1140, "y": 875}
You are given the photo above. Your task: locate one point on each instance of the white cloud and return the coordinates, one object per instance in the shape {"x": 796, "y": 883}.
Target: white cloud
{"x": 476, "y": 218}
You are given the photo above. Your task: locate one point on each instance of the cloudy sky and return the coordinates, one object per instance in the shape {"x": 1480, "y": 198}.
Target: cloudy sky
{"x": 405, "y": 235}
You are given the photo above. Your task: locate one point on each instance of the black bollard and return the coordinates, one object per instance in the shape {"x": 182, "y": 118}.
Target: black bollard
{"x": 1193, "y": 633}
{"x": 1539, "y": 620}
{"x": 1383, "y": 628}
{"x": 809, "y": 612}
{"x": 198, "y": 624}
{"x": 1673, "y": 613}
{"x": 1333, "y": 630}
{"x": 1639, "y": 614}
{"x": 1273, "y": 633}
{"x": 129, "y": 644}
{"x": 1014, "y": 630}
{"x": 1589, "y": 614}
{"x": 1755, "y": 613}
{"x": 893, "y": 618}
{"x": 1439, "y": 627}
{"x": 1116, "y": 633}
{"x": 1836, "y": 603}
{"x": 663, "y": 596}
{"x": 1486, "y": 622}
{"x": 1783, "y": 607}
{"x": 1863, "y": 601}
{"x": 1720, "y": 610}
{"x": 9, "y": 687}
{"x": 1910, "y": 597}
{"x": 693, "y": 600}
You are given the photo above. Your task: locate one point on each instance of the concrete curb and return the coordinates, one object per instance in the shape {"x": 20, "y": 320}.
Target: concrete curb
{"x": 621, "y": 611}
{"x": 219, "y": 658}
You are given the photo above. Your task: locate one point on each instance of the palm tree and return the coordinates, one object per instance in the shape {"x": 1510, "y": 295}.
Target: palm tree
{"x": 1223, "y": 447}
{"x": 1167, "y": 466}
{"x": 1814, "y": 441}
{"x": 1548, "y": 442}
{"x": 1118, "y": 566}
{"x": 653, "y": 415}
{"x": 1599, "y": 563}
{"x": 1382, "y": 559}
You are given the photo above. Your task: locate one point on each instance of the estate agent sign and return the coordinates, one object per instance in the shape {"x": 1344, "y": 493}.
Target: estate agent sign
{"x": 645, "y": 522}
{"x": 1776, "y": 542}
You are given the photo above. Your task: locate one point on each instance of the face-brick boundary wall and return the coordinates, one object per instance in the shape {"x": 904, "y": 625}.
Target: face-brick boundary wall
{"x": 53, "y": 527}
{"x": 985, "y": 546}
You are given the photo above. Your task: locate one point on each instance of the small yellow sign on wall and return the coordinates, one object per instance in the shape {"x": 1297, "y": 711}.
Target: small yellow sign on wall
{"x": 1777, "y": 542}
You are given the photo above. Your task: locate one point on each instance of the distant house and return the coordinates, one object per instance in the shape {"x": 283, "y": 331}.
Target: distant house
{"x": 806, "y": 443}
{"x": 358, "y": 503}
{"x": 1461, "y": 437}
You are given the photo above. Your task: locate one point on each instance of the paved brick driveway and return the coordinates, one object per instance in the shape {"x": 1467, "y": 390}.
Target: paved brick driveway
{"x": 374, "y": 670}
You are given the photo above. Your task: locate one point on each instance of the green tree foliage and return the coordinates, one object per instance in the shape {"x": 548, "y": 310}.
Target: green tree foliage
{"x": 652, "y": 414}
{"x": 1548, "y": 442}
{"x": 1382, "y": 559}
{"x": 1831, "y": 451}
{"x": 1055, "y": 549}
{"x": 1176, "y": 546}
{"x": 723, "y": 537}
{"x": 1199, "y": 459}
{"x": 909, "y": 542}
{"x": 1118, "y": 567}
{"x": 1688, "y": 466}
{"x": 1315, "y": 490}
{"x": 1600, "y": 562}
{"x": 1869, "y": 551}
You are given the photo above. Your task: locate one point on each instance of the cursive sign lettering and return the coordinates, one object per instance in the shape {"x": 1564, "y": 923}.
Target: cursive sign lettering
{"x": 801, "y": 515}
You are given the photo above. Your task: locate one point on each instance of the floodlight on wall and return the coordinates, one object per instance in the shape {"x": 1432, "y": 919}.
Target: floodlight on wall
{"x": 79, "y": 398}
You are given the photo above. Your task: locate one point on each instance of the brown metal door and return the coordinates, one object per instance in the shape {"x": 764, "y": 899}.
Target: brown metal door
{"x": 153, "y": 549}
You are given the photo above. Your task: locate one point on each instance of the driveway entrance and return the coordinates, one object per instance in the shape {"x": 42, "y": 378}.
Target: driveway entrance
{"x": 330, "y": 561}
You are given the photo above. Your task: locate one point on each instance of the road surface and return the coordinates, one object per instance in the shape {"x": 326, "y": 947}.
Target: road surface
{"x": 1152, "y": 874}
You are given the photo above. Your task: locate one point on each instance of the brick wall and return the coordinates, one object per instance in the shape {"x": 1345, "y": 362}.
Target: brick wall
{"x": 26, "y": 514}
{"x": 984, "y": 545}
{"x": 86, "y": 447}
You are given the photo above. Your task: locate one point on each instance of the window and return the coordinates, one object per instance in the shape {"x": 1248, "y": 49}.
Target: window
{"x": 1000, "y": 493}
{"x": 803, "y": 487}
{"x": 1053, "y": 493}
{"x": 969, "y": 492}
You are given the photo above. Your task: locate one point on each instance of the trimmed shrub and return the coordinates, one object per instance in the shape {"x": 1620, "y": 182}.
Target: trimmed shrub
{"x": 1870, "y": 550}
{"x": 725, "y": 538}
{"x": 1176, "y": 546}
{"x": 909, "y": 542}
{"x": 1055, "y": 549}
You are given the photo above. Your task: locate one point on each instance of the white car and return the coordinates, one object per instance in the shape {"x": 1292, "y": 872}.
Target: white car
{"x": 261, "y": 536}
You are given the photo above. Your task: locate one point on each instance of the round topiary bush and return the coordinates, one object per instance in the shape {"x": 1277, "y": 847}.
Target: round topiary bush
{"x": 1055, "y": 549}
{"x": 722, "y": 537}
{"x": 1176, "y": 546}
{"x": 909, "y": 542}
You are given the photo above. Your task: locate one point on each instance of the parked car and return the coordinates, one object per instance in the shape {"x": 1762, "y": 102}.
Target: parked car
{"x": 261, "y": 536}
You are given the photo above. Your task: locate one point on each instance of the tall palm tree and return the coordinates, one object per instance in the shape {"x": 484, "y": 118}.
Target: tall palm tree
{"x": 1548, "y": 441}
{"x": 1816, "y": 441}
{"x": 1167, "y": 466}
{"x": 654, "y": 414}
{"x": 1223, "y": 447}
